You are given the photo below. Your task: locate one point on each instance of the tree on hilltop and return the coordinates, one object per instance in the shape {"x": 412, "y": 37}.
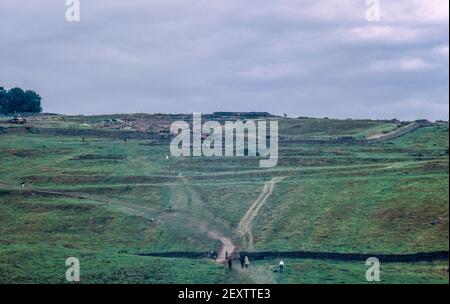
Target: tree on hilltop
{"x": 17, "y": 100}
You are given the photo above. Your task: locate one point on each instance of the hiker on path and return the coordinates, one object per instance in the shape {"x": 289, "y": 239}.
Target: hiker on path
{"x": 230, "y": 263}
{"x": 281, "y": 265}
{"x": 246, "y": 262}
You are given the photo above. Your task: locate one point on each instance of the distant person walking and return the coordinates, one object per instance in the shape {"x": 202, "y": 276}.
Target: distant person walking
{"x": 230, "y": 263}
{"x": 242, "y": 260}
{"x": 246, "y": 262}
{"x": 281, "y": 264}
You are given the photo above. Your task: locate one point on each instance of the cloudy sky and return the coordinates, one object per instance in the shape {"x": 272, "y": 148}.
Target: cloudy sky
{"x": 303, "y": 57}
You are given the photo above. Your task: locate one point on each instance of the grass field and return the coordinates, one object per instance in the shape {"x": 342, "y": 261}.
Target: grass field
{"x": 104, "y": 199}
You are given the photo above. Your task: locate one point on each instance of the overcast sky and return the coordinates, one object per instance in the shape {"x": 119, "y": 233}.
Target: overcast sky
{"x": 306, "y": 58}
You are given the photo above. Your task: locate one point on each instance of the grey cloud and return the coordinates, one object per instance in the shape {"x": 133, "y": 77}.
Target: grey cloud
{"x": 306, "y": 58}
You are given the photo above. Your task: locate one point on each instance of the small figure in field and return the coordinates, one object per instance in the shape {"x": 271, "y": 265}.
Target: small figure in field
{"x": 22, "y": 185}
{"x": 246, "y": 262}
{"x": 82, "y": 140}
{"x": 230, "y": 263}
{"x": 170, "y": 208}
{"x": 281, "y": 264}
{"x": 242, "y": 260}
{"x": 125, "y": 139}
{"x": 226, "y": 255}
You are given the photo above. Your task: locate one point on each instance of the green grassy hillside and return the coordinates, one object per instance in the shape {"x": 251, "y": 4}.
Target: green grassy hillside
{"x": 104, "y": 199}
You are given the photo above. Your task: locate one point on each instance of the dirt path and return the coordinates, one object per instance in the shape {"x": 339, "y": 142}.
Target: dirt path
{"x": 188, "y": 199}
{"x": 227, "y": 245}
{"x": 245, "y": 225}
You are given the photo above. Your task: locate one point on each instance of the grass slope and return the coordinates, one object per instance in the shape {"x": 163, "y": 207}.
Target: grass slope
{"x": 389, "y": 197}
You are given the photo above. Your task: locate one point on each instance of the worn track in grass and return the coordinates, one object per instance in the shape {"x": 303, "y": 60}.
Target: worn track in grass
{"x": 245, "y": 225}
